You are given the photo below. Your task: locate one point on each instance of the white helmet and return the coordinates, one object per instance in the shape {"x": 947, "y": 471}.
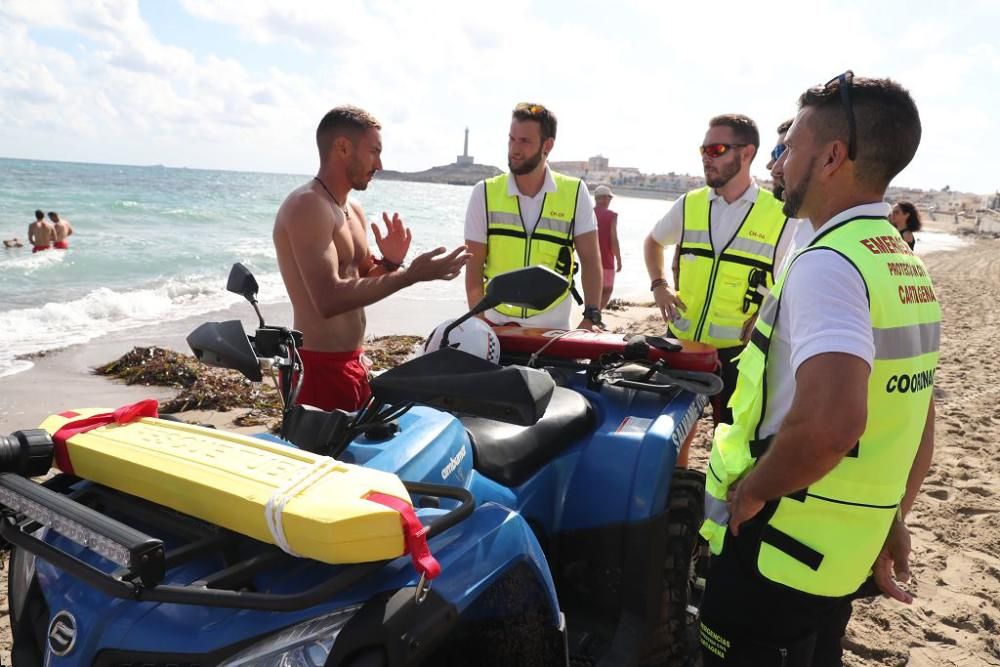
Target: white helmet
{"x": 473, "y": 336}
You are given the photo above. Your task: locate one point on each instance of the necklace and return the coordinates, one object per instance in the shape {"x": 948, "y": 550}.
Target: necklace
{"x": 342, "y": 207}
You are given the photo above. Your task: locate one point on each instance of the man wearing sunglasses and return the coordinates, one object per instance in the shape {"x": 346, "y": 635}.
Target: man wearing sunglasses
{"x": 801, "y": 230}
{"x": 833, "y": 415}
{"x": 731, "y": 235}
{"x": 533, "y": 216}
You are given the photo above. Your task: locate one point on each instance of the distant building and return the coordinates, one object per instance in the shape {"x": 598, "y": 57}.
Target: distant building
{"x": 597, "y": 163}
{"x": 465, "y": 158}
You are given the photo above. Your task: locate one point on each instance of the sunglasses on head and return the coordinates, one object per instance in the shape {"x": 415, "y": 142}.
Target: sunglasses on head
{"x": 777, "y": 152}
{"x": 716, "y": 150}
{"x": 844, "y": 82}
{"x": 530, "y": 108}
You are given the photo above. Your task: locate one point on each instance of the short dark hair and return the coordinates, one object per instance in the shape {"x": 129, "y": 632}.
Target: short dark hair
{"x": 783, "y": 128}
{"x": 744, "y": 129}
{"x": 39, "y": 214}
{"x": 346, "y": 120}
{"x": 538, "y": 113}
{"x": 53, "y": 214}
{"x": 887, "y": 125}
{"x": 913, "y": 223}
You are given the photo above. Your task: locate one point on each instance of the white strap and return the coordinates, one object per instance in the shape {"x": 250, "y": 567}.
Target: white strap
{"x": 275, "y": 506}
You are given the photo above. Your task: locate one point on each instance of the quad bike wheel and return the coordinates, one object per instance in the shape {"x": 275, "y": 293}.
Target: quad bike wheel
{"x": 673, "y": 640}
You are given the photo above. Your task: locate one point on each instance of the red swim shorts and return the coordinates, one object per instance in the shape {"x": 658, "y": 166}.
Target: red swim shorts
{"x": 61, "y": 245}
{"x": 39, "y": 248}
{"x": 334, "y": 380}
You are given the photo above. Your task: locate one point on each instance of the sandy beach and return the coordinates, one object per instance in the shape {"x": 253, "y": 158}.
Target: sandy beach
{"x": 955, "y": 619}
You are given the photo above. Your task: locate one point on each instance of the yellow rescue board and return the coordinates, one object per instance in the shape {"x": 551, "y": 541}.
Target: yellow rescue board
{"x": 228, "y": 479}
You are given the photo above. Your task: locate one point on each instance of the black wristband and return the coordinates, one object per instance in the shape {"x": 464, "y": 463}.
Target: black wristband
{"x": 593, "y": 313}
{"x": 387, "y": 265}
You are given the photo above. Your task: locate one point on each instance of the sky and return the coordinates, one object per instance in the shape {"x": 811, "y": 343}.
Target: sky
{"x": 242, "y": 84}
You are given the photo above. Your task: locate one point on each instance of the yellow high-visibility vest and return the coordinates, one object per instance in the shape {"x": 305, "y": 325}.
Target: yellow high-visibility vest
{"x": 824, "y": 539}
{"x": 722, "y": 291}
{"x": 508, "y": 244}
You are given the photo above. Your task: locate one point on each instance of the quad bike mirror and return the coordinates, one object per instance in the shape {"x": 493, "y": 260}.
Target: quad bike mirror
{"x": 242, "y": 282}
{"x": 533, "y": 287}
{"x": 225, "y": 344}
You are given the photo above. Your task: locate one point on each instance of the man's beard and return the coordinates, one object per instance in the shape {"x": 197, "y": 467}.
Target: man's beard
{"x": 358, "y": 177}
{"x": 794, "y": 197}
{"x": 726, "y": 173}
{"x": 527, "y": 166}
{"x": 779, "y": 191}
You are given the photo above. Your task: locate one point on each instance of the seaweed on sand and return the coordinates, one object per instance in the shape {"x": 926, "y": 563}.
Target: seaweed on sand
{"x": 206, "y": 388}
{"x": 201, "y": 387}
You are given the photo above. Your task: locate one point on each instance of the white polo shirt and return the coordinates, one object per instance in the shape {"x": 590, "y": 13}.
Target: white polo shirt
{"x": 531, "y": 209}
{"x": 724, "y": 221}
{"x": 824, "y": 308}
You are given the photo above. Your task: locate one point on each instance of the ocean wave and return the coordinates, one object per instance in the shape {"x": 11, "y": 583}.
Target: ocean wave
{"x": 27, "y": 262}
{"x": 126, "y": 203}
{"x": 103, "y": 311}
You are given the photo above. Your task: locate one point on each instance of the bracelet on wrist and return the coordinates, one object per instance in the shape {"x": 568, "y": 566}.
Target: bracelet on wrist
{"x": 387, "y": 265}
{"x": 657, "y": 283}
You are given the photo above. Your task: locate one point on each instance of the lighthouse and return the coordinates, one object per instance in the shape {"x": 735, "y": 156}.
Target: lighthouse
{"x": 465, "y": 158}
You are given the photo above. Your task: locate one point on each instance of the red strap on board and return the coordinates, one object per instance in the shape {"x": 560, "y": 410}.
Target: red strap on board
{"x": 414, "y": 534}
{"x": 123, "y": 415}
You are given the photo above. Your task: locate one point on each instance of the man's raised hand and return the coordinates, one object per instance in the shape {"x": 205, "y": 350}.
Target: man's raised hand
{"x": 396, "y": 242}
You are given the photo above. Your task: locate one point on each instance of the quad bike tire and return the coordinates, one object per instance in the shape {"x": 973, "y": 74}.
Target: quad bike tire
{"x": 673, "y": 639}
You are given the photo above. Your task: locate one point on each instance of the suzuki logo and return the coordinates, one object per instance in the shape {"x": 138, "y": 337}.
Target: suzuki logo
{"x": 62, "y": 633}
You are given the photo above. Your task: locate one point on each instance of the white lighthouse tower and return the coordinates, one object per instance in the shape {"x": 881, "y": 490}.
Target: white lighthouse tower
{"x": 465, "y": 158}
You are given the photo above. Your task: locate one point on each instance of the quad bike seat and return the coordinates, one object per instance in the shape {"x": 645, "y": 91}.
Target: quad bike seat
{"x": 510, "y": 454}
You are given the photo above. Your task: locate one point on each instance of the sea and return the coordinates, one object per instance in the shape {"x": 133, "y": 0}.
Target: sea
{"x": 155, "y": 244}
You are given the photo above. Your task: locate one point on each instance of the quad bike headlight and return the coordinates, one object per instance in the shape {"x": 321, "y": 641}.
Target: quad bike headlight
{"x": 307, "y": 644}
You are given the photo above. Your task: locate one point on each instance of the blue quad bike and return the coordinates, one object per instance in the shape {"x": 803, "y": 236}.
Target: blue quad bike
{"x": 565, "y": 534}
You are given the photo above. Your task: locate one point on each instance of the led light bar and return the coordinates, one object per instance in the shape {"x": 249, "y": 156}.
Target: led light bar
{"x": 140, "y": 554}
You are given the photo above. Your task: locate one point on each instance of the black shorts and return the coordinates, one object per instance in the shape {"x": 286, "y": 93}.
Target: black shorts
{"x": 748, "y": 620}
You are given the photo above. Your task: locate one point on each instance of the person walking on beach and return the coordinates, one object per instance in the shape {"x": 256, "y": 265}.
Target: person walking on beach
{"x": 40, "y": 233}
{"x": 320, "y": 236}
{"x": 533, "y": 216}
{"x": 906, "y": 219}
{"x": 808, "y": 487}
{"x": 732, "y": 235}
{"x": 607, "y": 236}
{"x": 63, "y": 230}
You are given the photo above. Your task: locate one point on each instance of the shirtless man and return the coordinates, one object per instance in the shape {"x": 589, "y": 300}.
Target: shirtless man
{"x": 330, "y": 274}
{"x": 63, "y": 231}
{"x": 40, "y": 233}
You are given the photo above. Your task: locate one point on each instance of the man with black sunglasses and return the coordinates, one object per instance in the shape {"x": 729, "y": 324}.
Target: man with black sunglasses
{"x": 833, "y": 413}
{"x": 731, "y": 237}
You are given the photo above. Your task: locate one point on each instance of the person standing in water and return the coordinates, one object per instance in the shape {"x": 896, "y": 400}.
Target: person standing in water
{"x": 40, "y": 233}
{"x": 63, "y": 230}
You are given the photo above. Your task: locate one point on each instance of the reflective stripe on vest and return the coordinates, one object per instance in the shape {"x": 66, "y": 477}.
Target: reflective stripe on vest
{"x": 508, "y": 244}
{"x": 721, "y": 289}
{"x": 824, "y": 539}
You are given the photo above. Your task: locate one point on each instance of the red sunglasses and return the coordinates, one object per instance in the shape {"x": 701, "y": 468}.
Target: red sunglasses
{"x": 717, "y": 150}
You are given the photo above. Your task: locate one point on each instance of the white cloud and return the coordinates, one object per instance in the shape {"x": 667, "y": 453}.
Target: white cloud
{"x": 636, "y": 81}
